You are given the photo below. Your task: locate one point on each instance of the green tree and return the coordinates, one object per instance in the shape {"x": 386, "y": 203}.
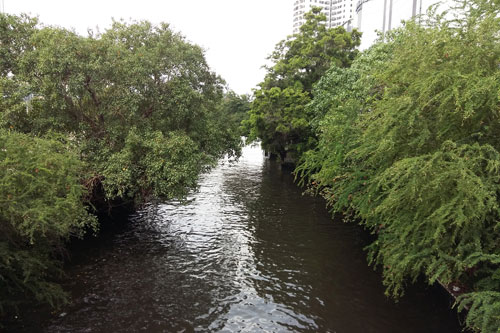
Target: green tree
{"x": 278, "y": 118}
{"x": 342, "y": 97}
{"x": 15, "y": 32}
{"x": 416, "y": 159}
{"x": 41, "y": 207}
{"x": 123, "y": 86}
{"x": 235, "y": 110}
{"x": 298, "y": 63}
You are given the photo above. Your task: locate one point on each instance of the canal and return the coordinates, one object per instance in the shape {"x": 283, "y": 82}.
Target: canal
{"x": 247, "y": 252}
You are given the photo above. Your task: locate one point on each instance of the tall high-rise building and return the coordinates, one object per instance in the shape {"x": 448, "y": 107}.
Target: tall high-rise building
{"x": 376, "y": 17}
{"x": 338, "y": 12}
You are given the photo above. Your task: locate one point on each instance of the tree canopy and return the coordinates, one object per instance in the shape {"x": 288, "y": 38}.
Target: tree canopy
{"x": 278, "y": 115}
{"x": 408, "y": 146}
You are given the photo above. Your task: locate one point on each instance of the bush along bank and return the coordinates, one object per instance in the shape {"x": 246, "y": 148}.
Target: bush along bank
{"x": 402, "y": 137}
{"x": 408, "y": 144}
{"x": 126, "y": 116}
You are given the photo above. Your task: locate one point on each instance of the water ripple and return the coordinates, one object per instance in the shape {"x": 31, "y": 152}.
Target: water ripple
{"x": 245, "y": 253}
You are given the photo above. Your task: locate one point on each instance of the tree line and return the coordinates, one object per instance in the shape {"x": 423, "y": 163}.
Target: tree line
{"x": 401, "y": 138}
{"x": 91, "y": 123}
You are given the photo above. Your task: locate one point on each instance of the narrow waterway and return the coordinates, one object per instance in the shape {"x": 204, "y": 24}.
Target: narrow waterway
{"x": 246, "y": 253}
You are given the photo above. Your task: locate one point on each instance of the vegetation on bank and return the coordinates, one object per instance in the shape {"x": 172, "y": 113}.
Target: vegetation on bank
{"x": 407, "y": 145}
{"x": 278, "y": 116}
{"x": 128, "y": 115}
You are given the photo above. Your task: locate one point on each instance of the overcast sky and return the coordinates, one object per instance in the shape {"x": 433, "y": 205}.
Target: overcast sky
{"x": 237, "y": 35}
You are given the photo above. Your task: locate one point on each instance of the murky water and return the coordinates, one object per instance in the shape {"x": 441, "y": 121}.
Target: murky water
{"x": 246, "y": 253}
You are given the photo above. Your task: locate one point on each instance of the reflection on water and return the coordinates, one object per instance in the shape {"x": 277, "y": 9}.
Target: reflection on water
{"x": 247, "y": 252}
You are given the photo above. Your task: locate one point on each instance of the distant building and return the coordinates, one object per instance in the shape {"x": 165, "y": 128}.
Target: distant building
{"x": 338, "y": 12}
{"x": 371, "y": 17}
{"x": 384, "y": 15}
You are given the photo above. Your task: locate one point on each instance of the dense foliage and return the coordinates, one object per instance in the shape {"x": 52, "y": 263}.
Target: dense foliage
{"x": 115, "y": 92}
{"x": 278, "y": 116}
{"x": 40, "y": 207}
{"x": 137, "y": 114}
{"x": 235, "y": 109}
{"x": 409, "y": 146}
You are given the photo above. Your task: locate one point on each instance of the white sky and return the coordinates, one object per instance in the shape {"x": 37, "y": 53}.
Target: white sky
{"x": 237, "y": 35}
